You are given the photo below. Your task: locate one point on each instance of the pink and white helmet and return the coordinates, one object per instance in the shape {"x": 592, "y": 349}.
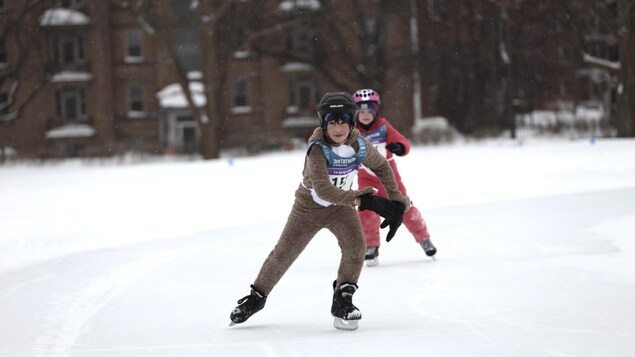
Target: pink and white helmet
{"x": 366, "y": 95}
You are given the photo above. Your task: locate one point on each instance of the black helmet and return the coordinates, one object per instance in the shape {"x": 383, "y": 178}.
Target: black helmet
{"x": 336, "y": 102}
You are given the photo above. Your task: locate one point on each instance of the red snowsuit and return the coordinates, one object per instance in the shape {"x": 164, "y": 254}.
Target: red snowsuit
{"x": 380, "y": 134}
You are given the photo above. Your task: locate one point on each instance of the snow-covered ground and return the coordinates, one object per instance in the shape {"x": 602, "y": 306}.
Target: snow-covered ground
{"x": 536, "y": 248}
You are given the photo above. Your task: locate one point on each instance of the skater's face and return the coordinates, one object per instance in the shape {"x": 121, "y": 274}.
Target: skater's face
{"x": 338, "y": 131}
{"x": 365, "y": 116}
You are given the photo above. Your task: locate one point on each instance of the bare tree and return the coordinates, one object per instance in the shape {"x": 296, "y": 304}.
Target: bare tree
{"x": 468, "y": 55}
{"x": 18, "y": 35}
{"x": 616, "y": 18}
{"x": 25, "y": 59}
{"x": 349, "y": 39}
{"x": 211, "y": 18}
{"x": 488, "y": 59}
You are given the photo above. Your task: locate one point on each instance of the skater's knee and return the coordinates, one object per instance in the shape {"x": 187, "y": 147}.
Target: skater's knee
{"x": 355, "y": 248}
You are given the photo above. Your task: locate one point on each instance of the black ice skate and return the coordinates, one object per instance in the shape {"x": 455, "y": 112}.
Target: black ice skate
{"x": 372, "y": 254}
{"x": 429, "y": 248}
{"x": 248, "y": 306}
{"x": 345, "y": 314}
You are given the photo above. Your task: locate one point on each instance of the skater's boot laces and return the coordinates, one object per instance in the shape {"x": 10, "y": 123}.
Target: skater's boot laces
{"x": 347, "y": 298}
{"x": 252, "y": 298}
{"x": 346, "y": 295}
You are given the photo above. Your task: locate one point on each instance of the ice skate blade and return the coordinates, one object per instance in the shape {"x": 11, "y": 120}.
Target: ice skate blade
{"x": 372, "y": 262}
{"x": 348, "y": 325}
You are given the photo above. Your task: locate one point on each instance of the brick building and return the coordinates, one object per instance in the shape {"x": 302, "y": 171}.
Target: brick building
{"x": 92, "y": 86}
{"x": 96, "y": 82}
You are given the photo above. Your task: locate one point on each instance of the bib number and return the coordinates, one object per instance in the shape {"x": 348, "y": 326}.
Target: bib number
{"x": 344, "y": 182}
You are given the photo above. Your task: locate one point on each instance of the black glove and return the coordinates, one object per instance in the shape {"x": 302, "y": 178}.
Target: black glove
{"x": 396, "y": 148}
{"x": 395, "y": 221}
{"x": 379, "y": 205}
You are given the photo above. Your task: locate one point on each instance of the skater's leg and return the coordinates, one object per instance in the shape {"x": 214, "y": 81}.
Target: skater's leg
{"x": 415, "y": 223}
{"x": 301, "y": 227}
{"x": 370, "y": 225}
{"x": 350, "y": 237}
{"x": 419, "y": 229}
{"x": 369, "y": 219}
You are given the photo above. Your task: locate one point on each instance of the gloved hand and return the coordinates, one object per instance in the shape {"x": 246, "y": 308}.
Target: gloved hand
{"x": 395, "y": 221}
{"x": 377, "y": 204}
{"x": 396, "y": 148}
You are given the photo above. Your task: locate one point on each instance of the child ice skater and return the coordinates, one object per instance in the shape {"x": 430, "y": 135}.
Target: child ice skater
{"x": 324, "y": 199}
{"x": 389, "y": 142}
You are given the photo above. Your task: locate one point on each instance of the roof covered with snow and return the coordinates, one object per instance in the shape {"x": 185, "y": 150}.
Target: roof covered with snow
{"x": 289, "y": 5}
{"x": 63, "y": 17}
{"x": 299, "y": 122}
{"x": 71, "y": 131}
{"x": 71, "y": 76}
{"x": 296, "y": 67}
{"x": 172, "y": 95}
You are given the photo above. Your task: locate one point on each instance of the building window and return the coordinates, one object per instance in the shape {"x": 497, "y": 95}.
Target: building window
{"x": 4, "y": 103}
{"x": 188, "y": 48}
{"x": 304, "y": 93}
{"x": 135, "y": 98}
{"x": 69, "y": 4}
{"x": 241, "y": 50}
{"x": 3, "y": 52}
{"x": 70, "y": 105}
{"x": 433, "y": 10}
{"x": 133, "y": 44}
{"x": 241, "y": 93}
{"x": 186, "y": 134}
{"x": 303, "y": 41}
{"x": 69, "y": 49}
{"x": 300, "y": 40}
{"x": 241, "y": 39}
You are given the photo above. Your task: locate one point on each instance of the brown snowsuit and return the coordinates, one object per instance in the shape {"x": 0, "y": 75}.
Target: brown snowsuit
{"x": 308, "y": 217}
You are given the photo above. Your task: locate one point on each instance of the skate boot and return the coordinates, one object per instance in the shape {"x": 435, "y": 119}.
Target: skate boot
{"x": 372, "y": 254}
{"x": 248, "y": 306}
{"x": 345, "y": 314}
{"x": 429, "y": 248}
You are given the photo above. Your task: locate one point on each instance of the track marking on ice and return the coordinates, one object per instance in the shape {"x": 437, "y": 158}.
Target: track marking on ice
{"x": 474, "y": 327}
{"x": 21, "y": 285}
{"x": 70, "y": 316}
{"x": 266, "y": 349}
{"x": 543, "y": 327}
